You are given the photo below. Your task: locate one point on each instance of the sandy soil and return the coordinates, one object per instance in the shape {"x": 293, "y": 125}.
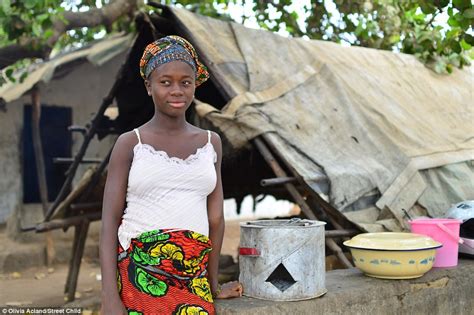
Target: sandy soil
{"x": 42, "y": 287}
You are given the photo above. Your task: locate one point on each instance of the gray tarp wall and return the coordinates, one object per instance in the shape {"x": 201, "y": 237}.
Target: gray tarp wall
{"x": 372, "y": 121}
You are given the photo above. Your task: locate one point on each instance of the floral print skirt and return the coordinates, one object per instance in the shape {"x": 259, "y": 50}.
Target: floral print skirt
{"x": 164, "y": 272}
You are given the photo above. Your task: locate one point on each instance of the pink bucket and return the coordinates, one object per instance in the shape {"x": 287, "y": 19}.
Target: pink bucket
{"x": 445, "y": 231}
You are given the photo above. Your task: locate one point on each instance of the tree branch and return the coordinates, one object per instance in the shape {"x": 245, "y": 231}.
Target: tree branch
{"x": 94, "y": 17}
{"x": 12, "y": 53}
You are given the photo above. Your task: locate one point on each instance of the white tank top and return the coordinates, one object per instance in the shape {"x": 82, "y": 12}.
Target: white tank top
{"x": 167, "y": 192}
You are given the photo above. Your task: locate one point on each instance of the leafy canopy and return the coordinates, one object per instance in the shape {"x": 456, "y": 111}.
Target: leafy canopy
{"x": 407, "y": 26}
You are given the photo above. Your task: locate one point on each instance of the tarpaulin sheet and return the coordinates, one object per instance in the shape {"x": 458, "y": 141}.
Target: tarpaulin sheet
{"x": 369, "y": 120}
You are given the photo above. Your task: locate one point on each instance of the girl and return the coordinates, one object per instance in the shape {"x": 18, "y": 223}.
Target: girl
{"x": 163, "y": 199}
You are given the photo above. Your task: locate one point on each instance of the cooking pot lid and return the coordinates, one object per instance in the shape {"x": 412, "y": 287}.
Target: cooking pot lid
{"x": 292, "y": 223}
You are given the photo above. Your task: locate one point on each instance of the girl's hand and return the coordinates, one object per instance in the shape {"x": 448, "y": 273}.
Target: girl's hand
{"x": 231, "y": 290}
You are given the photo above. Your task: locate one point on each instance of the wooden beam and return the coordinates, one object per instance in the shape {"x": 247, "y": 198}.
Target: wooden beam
{"x": 337, "y": 219}
{"x": 40, "y": 168}
{"x": 88, "y": 137}
{"x": 86, "y": 206}
{"x": 341, "y": 233}
{"x": 63, "y": 223}
{"x": 38, "y": 147}
{"x": 281, "y": 173}
{"x": 80, "y": 236}
{"x": 78, "y": 158}
{"x": 277, "y": 181}
{"x": 96, "y": 177}
{"x": 67, "y": 160}
{"x": 278, "y": 170}
{"x": 332, "y": 245}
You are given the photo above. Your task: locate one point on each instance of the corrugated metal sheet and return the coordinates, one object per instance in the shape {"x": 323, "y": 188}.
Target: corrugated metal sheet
{"x": 97, "y": 54}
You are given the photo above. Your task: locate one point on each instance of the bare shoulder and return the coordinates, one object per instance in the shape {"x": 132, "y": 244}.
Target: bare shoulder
{"x": 125, "y": 143}
{"x": 216, "y": 139}
{"x": 217, "y": 144}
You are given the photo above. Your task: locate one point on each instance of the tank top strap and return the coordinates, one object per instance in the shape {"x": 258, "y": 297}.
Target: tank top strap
{"x": 208, "y": 136}
{"x": 138, "y": 135}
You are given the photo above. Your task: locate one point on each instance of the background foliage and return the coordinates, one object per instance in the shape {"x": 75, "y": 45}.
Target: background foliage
{"x": 407, "y": 26}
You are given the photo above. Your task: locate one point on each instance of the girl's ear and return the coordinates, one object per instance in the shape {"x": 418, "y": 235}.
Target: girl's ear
{"x": 148, "y": 87}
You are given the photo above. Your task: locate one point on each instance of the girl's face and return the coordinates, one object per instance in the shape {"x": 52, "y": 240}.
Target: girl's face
{"x": 172, "y": 87}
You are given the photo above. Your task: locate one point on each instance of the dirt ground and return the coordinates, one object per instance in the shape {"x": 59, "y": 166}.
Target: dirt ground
{"x": 41, "y": 286}
{"x": 44, "y": 287}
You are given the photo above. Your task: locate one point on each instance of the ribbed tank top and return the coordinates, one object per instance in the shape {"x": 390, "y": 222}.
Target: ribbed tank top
{"x": 167, "y": 192}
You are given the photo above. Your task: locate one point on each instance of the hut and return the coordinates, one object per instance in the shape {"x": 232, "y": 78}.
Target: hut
{"x": 360, "y": 138}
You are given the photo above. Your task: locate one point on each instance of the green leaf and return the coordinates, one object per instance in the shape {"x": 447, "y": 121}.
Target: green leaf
{"x": 29, "y": 4}
{"x": 36, "y": 30}
{"x": 461, "y": 4}
{"x": 395, "y": 38}
{"x": 468, "y": 14}
{"x": 458, "y": 17}
{"x": 48, "y": 33}
{"x": 9, "y": 73}
{"x": 455, "y": 46}
{"x": 427, "y": 7}
{"x": 41, "y": 17}
{"x": 450, "y": 11}
{"x": 453, "y": 33}
{"x": 452, "y": 22}
{"x": 469, "y": 39}
{"x": 441, "y": 3}
{"x": 23, "y": 76}
{"x": 465, "y": 45}
{"x": 359, "y": 29}
{"x": 6, "y": 6}
{"x": 465, "y": 23}
{"x": 449, "y": 68}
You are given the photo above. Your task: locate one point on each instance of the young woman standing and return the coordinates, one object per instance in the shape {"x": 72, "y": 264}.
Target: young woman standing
{"x": 163, "y": 200}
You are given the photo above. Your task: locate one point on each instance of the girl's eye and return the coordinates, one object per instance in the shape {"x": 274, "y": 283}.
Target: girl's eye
{"x": 165, "y": 82}
{"x": 186, "y": 82}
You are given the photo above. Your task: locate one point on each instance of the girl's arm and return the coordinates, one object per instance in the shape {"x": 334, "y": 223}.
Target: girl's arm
{"x": 112, "y": 209}
{"x": 215, "y": 205}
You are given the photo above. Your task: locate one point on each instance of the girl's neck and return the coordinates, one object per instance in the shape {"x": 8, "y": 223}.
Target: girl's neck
{"x": 170, "y": 125}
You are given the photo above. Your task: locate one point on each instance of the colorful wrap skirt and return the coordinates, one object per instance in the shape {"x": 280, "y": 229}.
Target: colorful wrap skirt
{"x": 164, "y": 272}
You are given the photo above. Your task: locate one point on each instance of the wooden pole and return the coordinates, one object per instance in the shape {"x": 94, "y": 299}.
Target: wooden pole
{"x": 77, "y": 159}
{"x": 88, "y": 137}
{"x": 281, "y": 173}
{"x": 278, "y": 170}
{"x": 80, "y": 236}
{"x": 38, "y": 147}
{"x": 96, "y": 176}
{"x": 341, "y": 233}
{"x": 64, "y": 223}
{"x": 277, "y": 181}
{"x": 40, "y": 169}
{"x": 334, "y": 216}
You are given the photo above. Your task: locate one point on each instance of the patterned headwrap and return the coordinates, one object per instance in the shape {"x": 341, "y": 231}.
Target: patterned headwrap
{"x": 168, "y": 49}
